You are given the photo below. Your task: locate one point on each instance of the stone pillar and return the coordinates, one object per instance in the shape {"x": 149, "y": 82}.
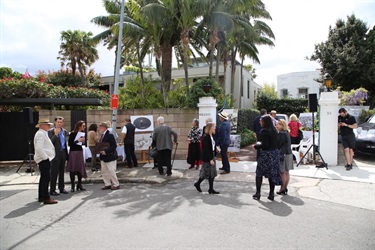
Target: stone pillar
{"x": 328, "y": 137}
{"x": 207, "y": 108}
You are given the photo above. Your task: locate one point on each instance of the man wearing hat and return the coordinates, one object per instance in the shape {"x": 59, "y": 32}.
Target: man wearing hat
{"x": 44, "y": 153}
{"x": 224, "y": 141}
{"x": 108, "y": 158}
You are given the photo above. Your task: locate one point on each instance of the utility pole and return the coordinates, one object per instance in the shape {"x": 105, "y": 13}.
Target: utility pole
{"x": 114, "y": 99}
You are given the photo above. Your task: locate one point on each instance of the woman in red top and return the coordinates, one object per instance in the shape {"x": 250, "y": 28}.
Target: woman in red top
{"x": 294, "y": 127}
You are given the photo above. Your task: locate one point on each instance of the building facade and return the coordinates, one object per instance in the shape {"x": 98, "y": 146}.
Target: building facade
{"x": 244, "y": 92}
{"x": 298, "y": 84}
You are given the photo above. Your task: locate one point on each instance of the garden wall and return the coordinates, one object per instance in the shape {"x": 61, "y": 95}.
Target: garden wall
{"x": 179, "y": 119}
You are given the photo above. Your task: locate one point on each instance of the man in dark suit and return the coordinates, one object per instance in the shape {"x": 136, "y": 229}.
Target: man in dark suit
{"x": 108, "y": 158}
{"x": 223, "y": 140}
{"x": 162, "y": 140}
{"x": 58, "y": 136}
{"x": 128, "y": 133}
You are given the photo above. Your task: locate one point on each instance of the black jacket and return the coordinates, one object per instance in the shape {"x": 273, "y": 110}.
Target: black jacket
{"x": 207, "y": 152}
{"x": 111, "y": 153}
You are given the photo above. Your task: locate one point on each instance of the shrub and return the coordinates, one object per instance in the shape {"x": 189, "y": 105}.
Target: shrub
{"x": 247, "y": 137}
{"x": 282, "y": 106}
{"x": 130, "y": 96}
{"x": 197, "y": 91}
{"x": 246, "y": 118}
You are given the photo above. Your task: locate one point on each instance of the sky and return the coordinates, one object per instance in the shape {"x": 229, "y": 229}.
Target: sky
{"x": 30, "y": 33}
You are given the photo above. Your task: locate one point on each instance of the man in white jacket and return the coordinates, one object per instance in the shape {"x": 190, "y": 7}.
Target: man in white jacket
{"x": 44, "y": 153}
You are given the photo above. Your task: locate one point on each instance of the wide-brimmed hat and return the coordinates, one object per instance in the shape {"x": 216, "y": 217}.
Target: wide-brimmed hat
{"x": 223, "y": 115}
{"x": 43, "y": 121}
{"x": 103, "y": 124}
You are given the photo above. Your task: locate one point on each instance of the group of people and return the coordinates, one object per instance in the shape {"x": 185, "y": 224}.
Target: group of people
{"x": 54, "y": 146}
{"x": 204, "y": 145}
{"x": 274, "y": 154}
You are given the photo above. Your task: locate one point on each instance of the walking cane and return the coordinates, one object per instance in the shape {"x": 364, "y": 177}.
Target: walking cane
{"x": 174, "y": 155}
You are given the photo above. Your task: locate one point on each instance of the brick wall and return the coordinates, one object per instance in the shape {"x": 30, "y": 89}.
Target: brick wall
{"x": 179, "y": 119}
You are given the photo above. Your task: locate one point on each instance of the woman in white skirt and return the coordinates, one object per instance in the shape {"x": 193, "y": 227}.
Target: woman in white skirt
{"x": 286, "y": 156}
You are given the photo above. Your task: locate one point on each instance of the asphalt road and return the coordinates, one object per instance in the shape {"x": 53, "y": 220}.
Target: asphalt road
{"x": 176, "y": 216}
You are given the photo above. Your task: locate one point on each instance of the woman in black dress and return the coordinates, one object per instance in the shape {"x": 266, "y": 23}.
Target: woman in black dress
{"x": 194, "y": 151}
{"x": 269, "y": 158}
{"x": 208, "y": 170}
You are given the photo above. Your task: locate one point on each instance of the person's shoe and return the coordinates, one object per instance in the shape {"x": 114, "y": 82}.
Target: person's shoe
{"x": 79, "y": 187}
{"x": 106, "y": 187}
{"x": 256, "y": 196}
{"x": 168, "y": 175}
{"x": 94, "y": 170}
{"x": 271, "y": 196}
{"x": 63, "y": 191}
{"x": 115, "y": 187}
{"x": 54, "y": 193}
{"x": 50, "y": 201}
{"x": 197, "y": 186}
{"x": 283, "y": 192}
{"x": 191, "y": 166}
{"x": 213, "y": 192}
{"x": 197, "y": 167}
{"x": 221, "y": 168}
{"x": 349, "y": 167}
{"x": 135, "y": 165}
{"x": 224, "y": 172}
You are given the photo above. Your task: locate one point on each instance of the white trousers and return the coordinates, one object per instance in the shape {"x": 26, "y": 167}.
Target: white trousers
{"x": 109, "y": 173}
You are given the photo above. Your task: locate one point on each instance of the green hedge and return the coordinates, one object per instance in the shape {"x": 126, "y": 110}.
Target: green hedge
{"x": 246, "y": 118}
{"x": 282, "y": 106}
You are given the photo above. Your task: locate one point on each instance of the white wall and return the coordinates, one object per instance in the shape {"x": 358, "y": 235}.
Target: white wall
{"x": 297, "y": 80}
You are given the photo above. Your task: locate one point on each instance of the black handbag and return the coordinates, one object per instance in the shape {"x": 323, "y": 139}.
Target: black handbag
{"x": 153, "y": 153}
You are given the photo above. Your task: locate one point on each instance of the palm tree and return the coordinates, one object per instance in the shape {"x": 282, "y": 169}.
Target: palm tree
{"x": 77, "y": 49}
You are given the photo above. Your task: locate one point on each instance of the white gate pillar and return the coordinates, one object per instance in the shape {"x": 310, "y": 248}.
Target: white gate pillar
{"x": 207, "y": 108}
{"x": 328, "y": 137}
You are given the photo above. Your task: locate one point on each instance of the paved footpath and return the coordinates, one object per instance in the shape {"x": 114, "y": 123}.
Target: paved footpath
{"x": 354, "y": 188}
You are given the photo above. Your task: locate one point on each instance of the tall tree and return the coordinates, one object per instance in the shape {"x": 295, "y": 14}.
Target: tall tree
{"x": 77, "y": 50}
{"x": 348, "y": 54}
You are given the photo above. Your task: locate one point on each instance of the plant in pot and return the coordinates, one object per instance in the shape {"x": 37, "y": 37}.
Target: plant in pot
{"x": 205, "y": 87}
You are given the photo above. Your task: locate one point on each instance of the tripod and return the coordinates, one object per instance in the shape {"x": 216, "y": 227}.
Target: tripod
{"x": 315, "y": 150}
{"x": 29, "y": 158}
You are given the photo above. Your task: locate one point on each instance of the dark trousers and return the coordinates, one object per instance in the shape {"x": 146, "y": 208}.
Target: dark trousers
{"x": 44, "y": 167}
{"x": 130, "y": 155}
{"x": 164, "y": 159}
{"x": 57, "y": 170}
{"x": 224, "y": 158}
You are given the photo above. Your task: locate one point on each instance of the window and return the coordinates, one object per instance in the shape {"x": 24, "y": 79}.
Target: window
{"x": 303, "y": 93}
{"x": 284, "y": 93}
{"x": 248, "y": 89}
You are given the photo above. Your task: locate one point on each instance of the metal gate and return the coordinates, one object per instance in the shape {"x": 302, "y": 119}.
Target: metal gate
{"x": 15, "y": 135}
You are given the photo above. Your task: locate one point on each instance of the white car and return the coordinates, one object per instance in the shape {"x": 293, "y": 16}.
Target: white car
{"x": 282, "y": 116}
